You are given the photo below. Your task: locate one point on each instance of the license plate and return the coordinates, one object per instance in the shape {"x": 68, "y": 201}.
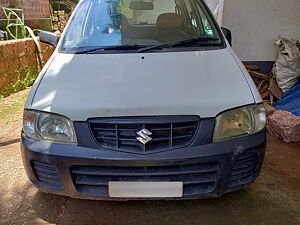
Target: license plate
{"x": 145, "y": 189}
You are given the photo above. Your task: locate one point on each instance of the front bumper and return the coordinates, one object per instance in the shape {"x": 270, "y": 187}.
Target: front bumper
{"x": 206, "y": 171}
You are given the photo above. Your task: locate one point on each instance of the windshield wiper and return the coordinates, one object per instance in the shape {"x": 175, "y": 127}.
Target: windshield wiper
{"x": 179, "y": 43}
{"x": 116, "y": 47}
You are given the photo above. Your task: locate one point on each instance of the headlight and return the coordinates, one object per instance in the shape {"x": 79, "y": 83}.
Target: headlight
{"x": 48, "y": 126}
{"x": 238, "y": 122}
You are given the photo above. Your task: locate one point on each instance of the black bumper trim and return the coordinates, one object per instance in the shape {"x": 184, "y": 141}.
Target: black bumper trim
{"x": 226, "y": 154}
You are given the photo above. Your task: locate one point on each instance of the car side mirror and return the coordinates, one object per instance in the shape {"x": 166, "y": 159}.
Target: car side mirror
{"x": 227, "y": 34}
{"x": 49, "y": 38}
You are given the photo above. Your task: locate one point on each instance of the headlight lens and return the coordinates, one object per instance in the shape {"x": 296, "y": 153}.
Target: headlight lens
{"x": 48, "y": 126}
{"x": 238, "y": 122}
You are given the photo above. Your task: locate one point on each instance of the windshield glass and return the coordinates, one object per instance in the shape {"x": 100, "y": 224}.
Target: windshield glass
{"x": 108, "y": 23}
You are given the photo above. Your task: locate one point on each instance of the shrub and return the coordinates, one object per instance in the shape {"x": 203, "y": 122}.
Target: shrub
{"x": 18, "y": 29}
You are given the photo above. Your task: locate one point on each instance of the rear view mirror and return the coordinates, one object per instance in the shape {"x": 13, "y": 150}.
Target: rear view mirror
{"x": 140, "y": 5}
{"x": 227, "y": 34}
{"x": 49, "y": 38}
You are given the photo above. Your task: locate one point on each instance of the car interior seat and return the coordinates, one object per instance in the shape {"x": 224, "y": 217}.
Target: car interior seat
{"x": 169, "y": 27}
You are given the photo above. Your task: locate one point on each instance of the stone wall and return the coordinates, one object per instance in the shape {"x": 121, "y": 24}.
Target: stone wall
{"x": 19, "y": 61}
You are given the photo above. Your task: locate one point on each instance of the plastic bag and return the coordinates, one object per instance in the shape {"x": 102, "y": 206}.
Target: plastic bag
{"x": 290, "y": 101}
{"x": 287, "y": 66}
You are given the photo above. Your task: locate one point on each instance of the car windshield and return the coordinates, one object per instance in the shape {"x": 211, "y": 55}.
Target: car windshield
{"x": 134, "y": 24}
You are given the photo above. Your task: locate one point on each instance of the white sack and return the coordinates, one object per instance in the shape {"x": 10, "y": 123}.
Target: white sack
{"x": 287, "y": 66}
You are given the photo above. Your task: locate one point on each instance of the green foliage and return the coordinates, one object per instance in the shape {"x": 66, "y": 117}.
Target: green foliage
{"x": 18, "y": 29}
{"x": 21, "y": 83}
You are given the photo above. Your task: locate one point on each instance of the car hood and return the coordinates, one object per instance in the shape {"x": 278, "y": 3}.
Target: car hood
{"x": 82, "y": 86}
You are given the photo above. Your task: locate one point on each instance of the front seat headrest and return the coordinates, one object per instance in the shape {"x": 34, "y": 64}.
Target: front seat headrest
{"x": 168, "y": 20}
{"x": 124, "y": 21}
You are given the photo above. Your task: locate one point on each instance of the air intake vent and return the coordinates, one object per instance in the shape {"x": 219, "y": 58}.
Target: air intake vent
{"x": 197, "y": 179}
{"x": 47, "y": 175}
{"x": 164, "y": 132}
{"x": 244, "y": 170}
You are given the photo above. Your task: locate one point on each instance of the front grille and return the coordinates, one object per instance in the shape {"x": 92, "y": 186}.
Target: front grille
{"x": 197, "y": 179}
{"x": 47, "y": 175}
{"x": 167, "y": 133}
{"x": 244, "y": 170}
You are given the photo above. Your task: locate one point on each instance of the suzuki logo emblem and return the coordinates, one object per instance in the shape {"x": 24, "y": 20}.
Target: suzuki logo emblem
{"x": 144, "y": 136}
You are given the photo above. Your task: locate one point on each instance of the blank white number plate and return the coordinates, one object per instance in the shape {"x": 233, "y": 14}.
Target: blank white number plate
{"x": 145, "y": 189}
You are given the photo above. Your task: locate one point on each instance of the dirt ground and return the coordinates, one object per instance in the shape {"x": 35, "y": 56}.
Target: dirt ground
{"x": 274, "y": 199}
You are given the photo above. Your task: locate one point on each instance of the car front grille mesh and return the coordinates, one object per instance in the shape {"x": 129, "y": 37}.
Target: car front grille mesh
{"x": 166, "y": 133}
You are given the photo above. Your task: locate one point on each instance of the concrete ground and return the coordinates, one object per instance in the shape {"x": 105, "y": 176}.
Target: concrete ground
{"x": 273, "y": 199}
